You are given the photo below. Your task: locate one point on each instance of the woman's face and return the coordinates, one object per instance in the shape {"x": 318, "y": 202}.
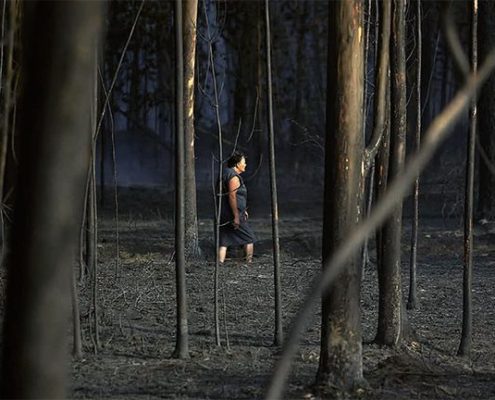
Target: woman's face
{"x": 241, "y": 165}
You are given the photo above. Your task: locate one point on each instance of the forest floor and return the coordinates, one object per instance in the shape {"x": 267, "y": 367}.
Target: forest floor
{"x": 137, "y": 317}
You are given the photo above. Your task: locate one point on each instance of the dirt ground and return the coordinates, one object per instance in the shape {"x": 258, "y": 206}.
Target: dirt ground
{"x": 137, "y": 298}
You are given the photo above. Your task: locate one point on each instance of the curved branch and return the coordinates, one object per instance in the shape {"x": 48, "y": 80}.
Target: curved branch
{"x": 382, "y": 76}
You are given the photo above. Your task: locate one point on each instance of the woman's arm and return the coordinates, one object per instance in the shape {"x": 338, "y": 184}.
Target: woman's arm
{"x": 234, "y": 184}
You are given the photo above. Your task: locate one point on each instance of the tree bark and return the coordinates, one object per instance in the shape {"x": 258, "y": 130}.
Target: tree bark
{"x": 486, "y": 191}
{"x": 391, "y": 317}
{"x": 341, "y": 348}
{"x": 278, "y": 332}
{"x": 54, "y": 160}
{"x": 412, "y": 298}
{"x": 467, "y": 309}
{"x": 182, "y": 337}
{"x": 192, "y": 249}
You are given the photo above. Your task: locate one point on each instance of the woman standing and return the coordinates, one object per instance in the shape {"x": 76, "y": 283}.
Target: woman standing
{"x": 234, "y": 227}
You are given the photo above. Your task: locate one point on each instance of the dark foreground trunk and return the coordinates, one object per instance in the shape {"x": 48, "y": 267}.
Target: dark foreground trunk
{"x": 54, "y": 159}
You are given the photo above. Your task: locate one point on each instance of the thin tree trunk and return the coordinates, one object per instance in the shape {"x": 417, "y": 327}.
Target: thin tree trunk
{"x": 340, "y": 364}
{"x": 278, "y": 334}
{"x": 7, "y": 98}
{"x": 217, "y": 189}
{"x": 467, "y": 303}
{"x": 391, "y": 319}
{"x": 76, "y": 322}
{"x": 192, "y": 248}
{"x": 182, "y": 337}
{"x": 486, "y": 187}
{"x": 94, "y": 242}
{"x": 53, "y": 163}
{"x": 412, "y": 299}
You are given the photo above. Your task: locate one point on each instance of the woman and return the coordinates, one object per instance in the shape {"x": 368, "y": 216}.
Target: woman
{"x": 234, "y": 227}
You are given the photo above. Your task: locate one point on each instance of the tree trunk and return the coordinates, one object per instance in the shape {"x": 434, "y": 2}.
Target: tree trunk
{"x": 182, "y": 336}
{"x": 7, "y": 95}
{"x": 486, "y": 191}
{"x": 341, "y": 348}
{"x": 412, "y": 299}
{"x": 53, "y": 165}
{"x": 192, "y": 249}
{"x": 467, "y": 309}
{"x": 390, "y": 315}
{"x": 278, "y": 333}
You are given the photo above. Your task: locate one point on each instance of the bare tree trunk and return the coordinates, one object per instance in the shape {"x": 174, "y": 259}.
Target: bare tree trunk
{"x": 341, "y": 348}
{"x": 192, "y": 248}
{"x": 76, "y": 322}
{"x": 182, "y": 338}
{"x": 7, "y": 98}
{"x": 412, "y": 299}
{"x": 467, "y": 309}
{"x": 54, "y": 159}
{"x": 278, "y": 334}
{"x": 391, "y": 318}
{"x": 486, "y": 189}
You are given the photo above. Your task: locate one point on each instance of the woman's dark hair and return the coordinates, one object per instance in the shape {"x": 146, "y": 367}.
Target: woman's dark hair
{"x": 235, "y": 158}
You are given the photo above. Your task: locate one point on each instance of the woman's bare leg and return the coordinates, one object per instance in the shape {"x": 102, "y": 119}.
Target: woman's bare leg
{"x": 222, "y": 252}
{"x": 249, "y": 249}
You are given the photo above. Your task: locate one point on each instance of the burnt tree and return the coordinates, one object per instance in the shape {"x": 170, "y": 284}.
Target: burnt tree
{"x": 341, "y": 345}
{"x": 486, "y": 118}
{"x": 392, "y": 319}
{"x": 192, "y": 248}
{"x": 56, "y": 141}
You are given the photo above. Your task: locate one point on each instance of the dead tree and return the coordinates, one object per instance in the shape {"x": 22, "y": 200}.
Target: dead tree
{"x": 467, "y": 309}
{"x": 486, "y": 119}
{"x": 53, "y": 164}
{"x": 278, "y": 334}
{"x": 338, "y": 262}
{"x": 192, "y": 248}
{"x": 412, "y": 299}
{"x": 7, "y": 93}
{"x": 341, "y": 346}
{"x": 182, "y": 336}
{"x": 392, "y": 319}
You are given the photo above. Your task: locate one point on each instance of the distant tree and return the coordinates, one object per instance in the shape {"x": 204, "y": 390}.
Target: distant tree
{"x": 192, "y": 248}
{"x": 467, "y": 315}
{"x": 341, "y": 345}
{"x": 412, "y": 298}
{"x": 182, "y": 336}
{"x": 53, "y": 163}
{"x": 278, "y": 332}
{"x": 486, "y": 190}
{"x": 392, "y": 319}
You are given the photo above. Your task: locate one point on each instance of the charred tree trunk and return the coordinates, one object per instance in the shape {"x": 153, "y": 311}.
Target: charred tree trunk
{"x": 486, "y": 190}
{"x": 54, "y": 160}
{"x": 7, "y": 94}
{"x": 391, "y": 315}
{"x": 278, "y": 334}
{"x": 341, "y": 348}
{"x": 182, "y": 337}
{"x": 192, "y": 249}
{"x": 467, "y": 309}
{"x": 412, "y": 299}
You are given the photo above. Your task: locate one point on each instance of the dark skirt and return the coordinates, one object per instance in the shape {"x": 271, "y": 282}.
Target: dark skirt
{"x": 234, "y": 237}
